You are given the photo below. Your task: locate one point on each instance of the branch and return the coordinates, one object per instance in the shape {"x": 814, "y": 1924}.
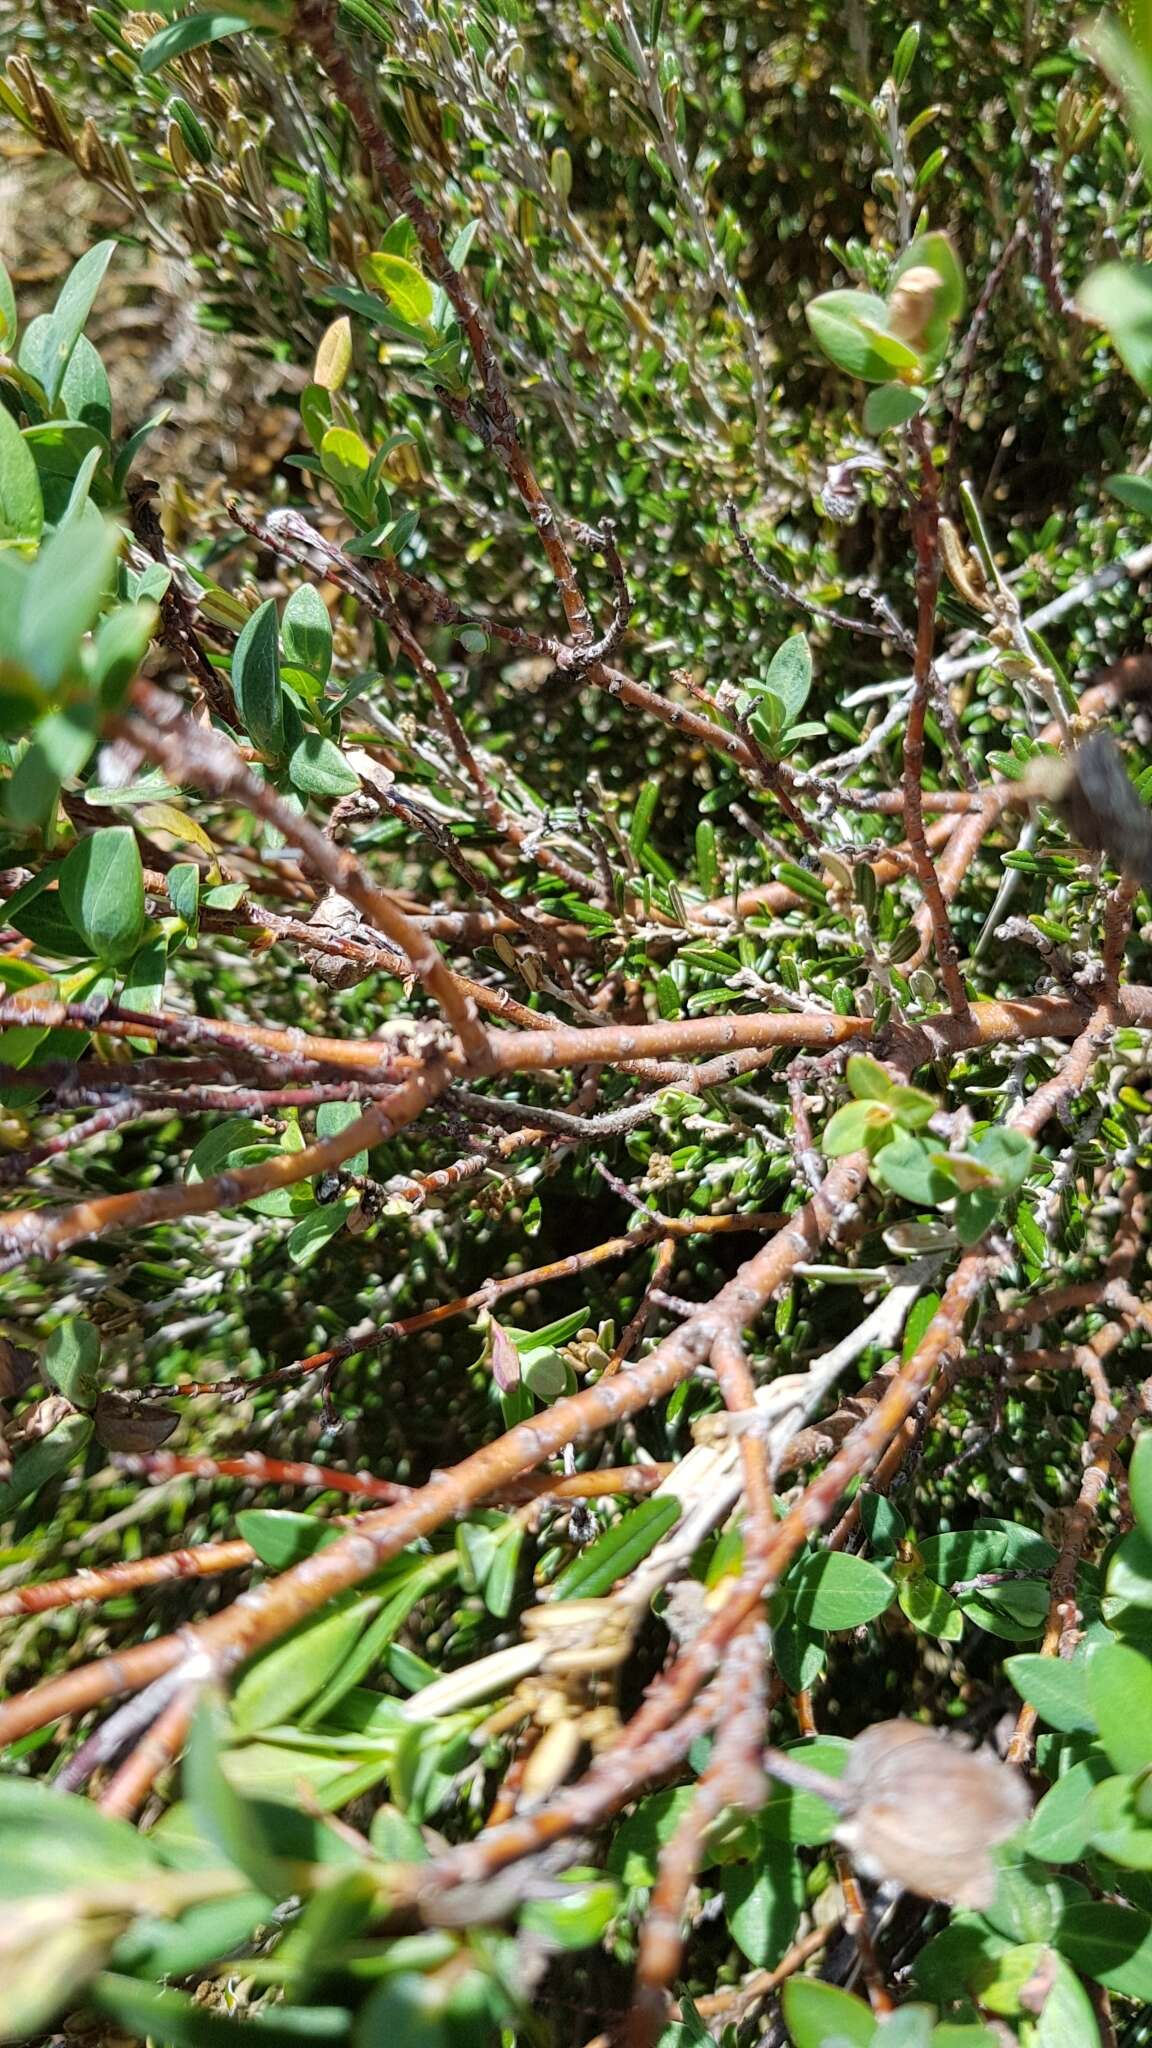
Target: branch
{"x": 316, "y": 23}
{"x": 925, "y": 531}
{"x": 224, "y": 1641}
{"x": 191, "y": 753}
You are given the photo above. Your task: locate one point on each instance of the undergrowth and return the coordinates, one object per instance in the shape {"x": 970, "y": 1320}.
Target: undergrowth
{"x": 574, "y": 1031}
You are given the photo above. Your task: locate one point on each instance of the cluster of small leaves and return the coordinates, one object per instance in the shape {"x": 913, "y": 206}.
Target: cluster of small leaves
{"x": 886, "y": 1119}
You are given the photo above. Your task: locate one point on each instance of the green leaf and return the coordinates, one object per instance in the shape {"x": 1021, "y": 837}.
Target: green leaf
{"x": 184, "y": 891}
{"x": 961, "y": 1958}
{"x": 884, "y": 1525}
{"x": 1058, "y": 1689}
{"x": 892, "y": 405}
{"x": 1067, "y": 2020}
{"x": 830, "y": 1590}
{"x": 1125, "y": 58}
{"x": 443, "y": 2009}
{"x": 332, "y": 1917}
{"x": 346, "y": 458}
{"x": 910, "y": 1167}
{"x": 1129, "y": 1578}
{"x": 1120, "y": 1692}
{"x": 819, "y": 2014}
{"x": 707, "y": 863}
{"x": 256, "y": 679}
{"x": 800, "y": 1653}
{"x": 120, "y": 644}
{"x": 224, "y": 1816}
{"x": 643, "y": 813}
{"x": 763, "y": 1902}
{"x": 85, "y": 392}
{"x": 854, "y": 1126}
{"x": 405, "y": 287}
{"x": 975, "y": 1213}
{"x": 636, "y": 1845}
{"x": 911, "y": 1106}
{"x": 144, "y": 979}
{"x": 1111, "y": 1943}
{"x": 990, "y": 1546}
{"x": 62, "y": 597}
{"x": 920, "y": 1315}
{"x": 460, "y": 247}
{"x": 190, "y": 33}
{"x": 849, "y": 326}
{"x": 130, "y": 449}
{"x": 768, "y": 721}
{"x": 317, "y": 1228}
{"x": 1016, "y": 1611}
{"x": 499, "y": 1582}
{"x": 318, "y": 768}
{"x": 905, "y": 55}
{"x": 69, "y": 314}
{"x": 1133, "y": 491}
{"x": 1005, "y": 1153}
{"x": 306, "y": 633}
{"x": 930, "y": 1609}
{"x": 8, "y": 320}
{"x": 334, "y": 1117}
{"x": 282, "y": 1538}
{"x": 803, "y": 1818}
{"x": 395, "y": 1838}
{"x": 404, "y": 1586}
{"x": 61, "y": 744}
{"x": 618, "y": 1551}
{"x": 1061, "y": 1827}
{"x": 71, "y": 1357}
{"x": 1029, "y": 1900}
{"x": 805, "y": 884}
{"x": 276, "y": 1685}
{"x": 1118, "y": 297}
{"x": 102, "y": 892}
{"x": 226, "y": 896}
{"x": 908, "y": 2027}
{"x": 1140, "y": 1482}
{"x": 961, "y": 2035}
{"x": 934, "y": 251}
{"x": 155, "y": 1948}
{"x": 578, "y": 1917}
{"x": 51, "y": 1841}
{"x": 21, "y": 505}
{"x": 867, "y": 1079}
{"x": 789, "y": 675}
{"x": 1116, "y": 1826}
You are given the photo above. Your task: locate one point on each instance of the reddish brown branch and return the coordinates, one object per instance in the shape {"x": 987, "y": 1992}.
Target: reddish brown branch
{"x": 925, "y": 532}
{"x": 44, "y": 1233}
{"x": 734, "y": 1775}
{"x": 228, "y": 1639}
{"x": 192, "y": 753}
{"x": 110, "y": 1582}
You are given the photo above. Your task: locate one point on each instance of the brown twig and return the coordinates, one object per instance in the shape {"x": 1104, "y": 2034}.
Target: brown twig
{"x": 925, "y": 533}
{"x": 189, "y": 753}
{"x": 110, "y": 1582}
{"x": 227, "y": 1639}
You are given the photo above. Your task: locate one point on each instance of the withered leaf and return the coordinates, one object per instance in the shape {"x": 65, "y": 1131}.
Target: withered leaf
{"x": 135, "y": 1426}
{"x": 923, "y": 1810}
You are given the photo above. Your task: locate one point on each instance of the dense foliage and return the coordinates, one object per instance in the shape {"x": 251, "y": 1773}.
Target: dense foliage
{"x": 573, "y": 1026}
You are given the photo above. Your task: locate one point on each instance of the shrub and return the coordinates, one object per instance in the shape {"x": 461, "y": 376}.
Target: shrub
{"x": 452, "y": 897}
